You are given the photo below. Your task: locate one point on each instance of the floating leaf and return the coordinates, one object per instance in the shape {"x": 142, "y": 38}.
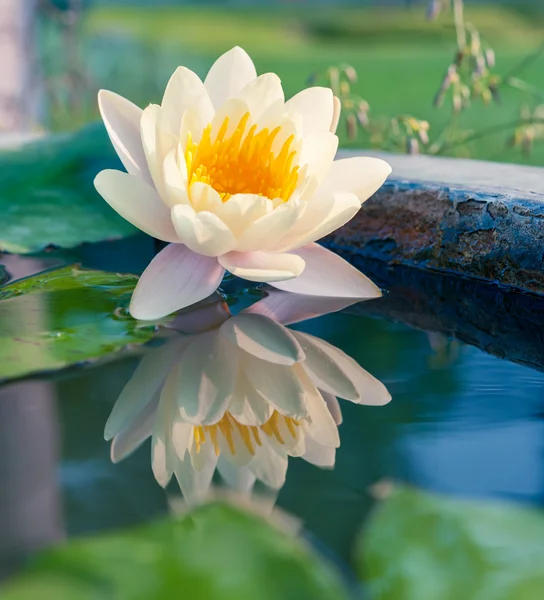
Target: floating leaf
{"x": 47, "y": 195}
{"x": 215, "y": 552}
{"x": 64, "y": 317}
{"x": 422, "y": 546}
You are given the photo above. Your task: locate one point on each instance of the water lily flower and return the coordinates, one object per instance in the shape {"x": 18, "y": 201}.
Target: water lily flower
{"x": 235, "y": 178}
{"x": 241, "y": 396}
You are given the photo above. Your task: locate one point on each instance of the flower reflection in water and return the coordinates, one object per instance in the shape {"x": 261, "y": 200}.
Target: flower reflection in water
{"x": 240, "y": 394}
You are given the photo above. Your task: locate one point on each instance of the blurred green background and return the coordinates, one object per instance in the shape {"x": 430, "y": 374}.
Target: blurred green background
{"x": 399, "y": 55}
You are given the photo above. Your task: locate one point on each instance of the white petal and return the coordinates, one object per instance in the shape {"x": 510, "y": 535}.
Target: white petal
{"x": 322, "y": 216}
{"x": 126, "y": 442}
{"x": 321, "y": 456}
{"x": 204, "y": 197}
{"x": 239, "y": 478}
{"x": 327, "y": 274}
{"x": 157, "y": 141}
{"x": 318, "y": 152}
{"x": 145, "y": 382}
{"x": 334, "y": 407}
{"x": 279, "y": 385}
{"x": 269, "y": 467}
{"x": 359, "y": 175}
{"x": 137, "y": 202}
{"x": 316, "y": 107}
{"x": 185, "y": 90}
{"x": 262, "y": 338}
{"x": 368, "y": 389}
{"x": 279, "y": 114}
{"x": 122, "y": 120}
{"x": 230, "y": 73}
{"x": 261, "y": 93}
{"x": 241, "y": 210}
{"x": 175, "y": 181}
{"x": 262, "y": 267}
{"x": 265, "y": 233}
{"x": 288, "y": 308}
{"x": 202, "y": 232}
{"x": 337, "y": 110}
{"x": 193, "y": 121}
{"x": 202, "y": 385}
{"x": 233, "y": 110}
{"x": 174, "y": 279}
{"x": 195, "y": 484}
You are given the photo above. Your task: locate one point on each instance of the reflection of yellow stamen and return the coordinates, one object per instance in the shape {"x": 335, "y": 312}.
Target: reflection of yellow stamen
{"x": 225, "y": 427}
{"x": 256, "y": 435}
{"x": 246, "y": 436}
{"x": 291, "y": 426}
{"x": 249, "y": 433}
{"x": 243, "y": 163}
{"x": 213, "y": 436}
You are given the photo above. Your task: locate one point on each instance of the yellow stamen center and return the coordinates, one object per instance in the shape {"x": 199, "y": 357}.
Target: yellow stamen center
{"x": 250, "y": 434}
{"x": 242, "y": 163}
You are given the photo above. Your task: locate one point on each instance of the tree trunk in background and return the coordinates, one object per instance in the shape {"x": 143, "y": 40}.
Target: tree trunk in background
{"x": 19, "y": 76}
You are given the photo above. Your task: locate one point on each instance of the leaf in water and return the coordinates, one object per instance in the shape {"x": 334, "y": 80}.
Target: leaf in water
{"x": 215, "y": 552}
{"x": 422, "y": 546}
{"x": 47, "y": 195}
{"x": 64, "y": 317}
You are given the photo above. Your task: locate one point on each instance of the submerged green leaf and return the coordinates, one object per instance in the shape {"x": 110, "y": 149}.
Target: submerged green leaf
{"x": 423, "y": 546}
{"x": 47, "y": 195}
{"x": 215, "y": 552}
{"x": 64, "y": 317}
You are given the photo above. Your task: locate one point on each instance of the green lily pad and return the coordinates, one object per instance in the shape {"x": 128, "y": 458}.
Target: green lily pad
{"x": 66, "y": 316}
{"x": 422, "y": 546}
{"x": 47, "y": 197}
{"x": 215, "y": 552}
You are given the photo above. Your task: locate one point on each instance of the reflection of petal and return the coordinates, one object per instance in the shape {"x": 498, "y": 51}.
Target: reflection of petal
{"x": 239, "y": 478}
{"x": 241, "y": 394}
{"x": 125, "y": 442}
{"x": 203, "y": 382}
{"x": 263, "y": 338}
{"x": 286, "y": 308}
{"x": 145, "y": 382}
{"x": 278, "y": 385}
{"x": 322, "y": 426}
{"x": 334, "y": 407}
{"x": 195, "y": 483}
{"x": 317, "y": 454}
{"x": 337, "y": 373}
{"x": 269, "y": 467}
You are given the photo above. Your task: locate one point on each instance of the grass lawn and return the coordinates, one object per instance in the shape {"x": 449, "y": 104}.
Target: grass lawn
{"x": 400, "y": 58}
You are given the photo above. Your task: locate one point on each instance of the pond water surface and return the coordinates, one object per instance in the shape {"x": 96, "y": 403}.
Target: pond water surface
{"x": 465, "y": 419}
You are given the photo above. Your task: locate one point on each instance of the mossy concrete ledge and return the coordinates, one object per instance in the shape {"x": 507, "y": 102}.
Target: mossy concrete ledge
{"x": 474, "y": 218}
